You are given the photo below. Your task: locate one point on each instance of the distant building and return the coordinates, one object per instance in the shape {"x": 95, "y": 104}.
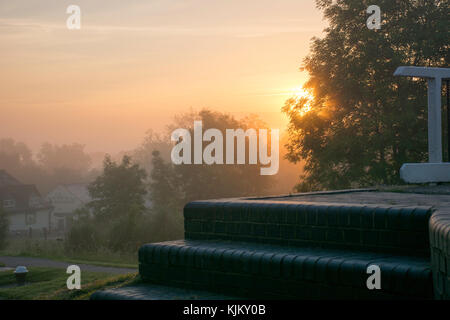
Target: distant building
{"x": 65, "y": 199}
{"x": 28, "y": 212}
{"x": 7, "y": 180}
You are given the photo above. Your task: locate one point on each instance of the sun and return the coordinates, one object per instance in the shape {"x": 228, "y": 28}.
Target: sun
{"x": 300, "y": 93}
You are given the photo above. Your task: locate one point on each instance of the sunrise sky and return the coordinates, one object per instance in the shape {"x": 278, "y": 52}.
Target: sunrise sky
{"x": 135, "y": 64}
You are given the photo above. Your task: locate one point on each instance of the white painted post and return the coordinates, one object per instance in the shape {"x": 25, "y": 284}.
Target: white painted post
{"x": 435, "y": 170}
{"x": 434, "y": 121}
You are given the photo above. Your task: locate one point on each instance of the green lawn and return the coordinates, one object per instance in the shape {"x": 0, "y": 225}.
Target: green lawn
{"x": 52, "y": 249}
{"x": 50, "y": 284}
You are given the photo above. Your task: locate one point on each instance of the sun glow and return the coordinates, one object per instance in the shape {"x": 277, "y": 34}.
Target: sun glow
{"x": 300, "y": 95}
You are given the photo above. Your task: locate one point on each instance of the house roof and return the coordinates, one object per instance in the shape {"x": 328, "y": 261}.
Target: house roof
{"x": 79, "y": 191}
{"x": 6, "y": 179}
{"x": 12, "y": 189}
{"x": 22, "y": 194}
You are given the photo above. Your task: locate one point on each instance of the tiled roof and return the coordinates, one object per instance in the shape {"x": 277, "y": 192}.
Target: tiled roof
{"x": 6, "y": 179}
{"x": 21, "y": 194}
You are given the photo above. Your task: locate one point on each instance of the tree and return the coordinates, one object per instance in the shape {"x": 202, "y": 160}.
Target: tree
{"x": 167, "y": 200}
{"x": 63, "y": 164}
{"x": 115, "y": 216}
{"x": 152, "y": 142}
{"x": 17, "y": 159}
{"x": 172, "y": 186}
{"x": 363, "y": 122}
{"x": 119, "y": 191}
{"x": 83, "y": 235}
{"x": 55, "y": 164}
{"x": 165, "y": 184}
{"x": 13, "y": 154}
{"x": 4, "y": 226}
{"x": 195, "y": 182}
{"x": 72, "y": 157}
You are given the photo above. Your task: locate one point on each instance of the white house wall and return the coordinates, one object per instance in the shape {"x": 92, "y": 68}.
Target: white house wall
{"x": 17, "y": 221}
{"x": 63, "y": 201}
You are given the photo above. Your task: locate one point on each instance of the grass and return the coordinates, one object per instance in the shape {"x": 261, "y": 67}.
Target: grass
{"x": 50, "y": 284}
{"x": 54, "y": 250}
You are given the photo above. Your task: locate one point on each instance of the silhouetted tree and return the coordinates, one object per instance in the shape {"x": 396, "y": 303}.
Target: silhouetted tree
{"x": 364, "y": 122}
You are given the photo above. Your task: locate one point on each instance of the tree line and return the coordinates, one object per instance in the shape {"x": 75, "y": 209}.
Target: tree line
{"x": 117, "y": 217}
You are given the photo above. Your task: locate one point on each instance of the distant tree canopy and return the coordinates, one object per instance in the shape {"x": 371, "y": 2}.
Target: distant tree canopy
{"x": 364, "y": 122}
{"x": 64, "y": 157}
{"x": 17, "y": 159}
{"x": 53, "y": 164}
{"x": 64, "y": 164}
{"x": 179, "y": 184}
{"x": 14, "y": 153}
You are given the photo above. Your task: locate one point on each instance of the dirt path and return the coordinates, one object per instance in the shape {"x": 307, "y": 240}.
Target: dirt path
{"x": 40, "y": 262}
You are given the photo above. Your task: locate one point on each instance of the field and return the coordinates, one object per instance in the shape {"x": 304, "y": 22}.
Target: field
{"x": 50, "y": 284}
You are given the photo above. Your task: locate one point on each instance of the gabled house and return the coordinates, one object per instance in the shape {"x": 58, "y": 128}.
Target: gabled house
{"x": 27, "y": 211}
{"x": 65, "y": 199}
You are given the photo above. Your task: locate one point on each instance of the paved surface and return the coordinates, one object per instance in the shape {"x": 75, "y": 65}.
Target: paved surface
{"x": 40, "y": 262}
{"x": 411, "y": 197}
